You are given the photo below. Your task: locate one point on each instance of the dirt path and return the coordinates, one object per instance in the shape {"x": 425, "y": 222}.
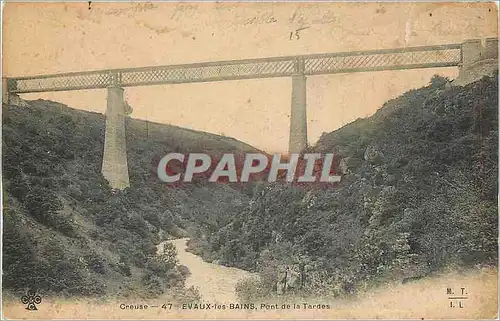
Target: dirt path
{"x": 215, "y": 282}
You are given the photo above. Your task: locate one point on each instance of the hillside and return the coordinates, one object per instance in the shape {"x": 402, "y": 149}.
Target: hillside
{"x": 67, "y": 233}
{"x": 419, "y": 195}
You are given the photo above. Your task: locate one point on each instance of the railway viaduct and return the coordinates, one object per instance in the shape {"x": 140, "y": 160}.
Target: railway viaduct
{"x": 114, "y": 163}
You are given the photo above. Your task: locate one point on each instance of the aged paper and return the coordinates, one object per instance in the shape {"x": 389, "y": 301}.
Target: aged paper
{"x": 141, "y": 145}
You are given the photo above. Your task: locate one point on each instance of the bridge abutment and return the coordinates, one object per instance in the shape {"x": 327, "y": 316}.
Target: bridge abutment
{"x": 114, "y": 163}
{"x": 471, "y": 52}
{"x": 5, "y": 92}
{"x": 475, "y": 50}
{"x": 479, "y": 59}
{"x": 298, "y": 113}
{"x": 490, "y": 48}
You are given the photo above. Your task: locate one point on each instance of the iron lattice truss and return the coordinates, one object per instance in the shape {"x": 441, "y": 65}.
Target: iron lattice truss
{"x": 375, "y": 60}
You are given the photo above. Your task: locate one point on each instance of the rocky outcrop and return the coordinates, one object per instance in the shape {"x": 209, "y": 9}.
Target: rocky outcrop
{"x": 373, "y": 155}
{"x": 17, "y": 101}
{"x": 476, "y": 71}
{"x": 344, "y": 166}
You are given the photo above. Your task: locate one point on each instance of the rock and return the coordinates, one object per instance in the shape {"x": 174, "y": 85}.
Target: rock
{"x": 344, "y": 166}
{"x": 378, "y": 207}
{"x": 387, "y": 191}
{"x": 372, "y": 155}
{"x": 128, "y": 108}
{"x": 390, "y": 178}
{"x": 14, "y": 99}
{"x": 236, "y": 202}
{"x": 407, "y": 212}
{"x": 290, "y": 279}
{"x": 308, "y": 197}
{"x": 476, "y": 71}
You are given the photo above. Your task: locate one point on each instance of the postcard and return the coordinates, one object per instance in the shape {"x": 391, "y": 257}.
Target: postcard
{"x": 249, "y": 160}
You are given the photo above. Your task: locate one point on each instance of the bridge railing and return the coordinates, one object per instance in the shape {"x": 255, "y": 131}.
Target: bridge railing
{"x": 358, "y": 61}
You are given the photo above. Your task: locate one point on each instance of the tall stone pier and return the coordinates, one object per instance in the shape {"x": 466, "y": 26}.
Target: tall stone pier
{"x": 114, "y": 163}
{"x": 298, "y": 113}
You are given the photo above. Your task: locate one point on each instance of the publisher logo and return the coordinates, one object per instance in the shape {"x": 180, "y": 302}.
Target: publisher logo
{"x": 31, "y": 299}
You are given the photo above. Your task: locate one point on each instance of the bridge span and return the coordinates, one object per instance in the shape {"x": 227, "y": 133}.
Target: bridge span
{"x": 114, "y": 165}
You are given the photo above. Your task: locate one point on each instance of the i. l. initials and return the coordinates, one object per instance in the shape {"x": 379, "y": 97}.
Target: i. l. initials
{"x": 457, "y": 301}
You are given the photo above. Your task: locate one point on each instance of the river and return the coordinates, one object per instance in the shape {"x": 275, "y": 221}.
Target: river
{"x": 216, "y": 283}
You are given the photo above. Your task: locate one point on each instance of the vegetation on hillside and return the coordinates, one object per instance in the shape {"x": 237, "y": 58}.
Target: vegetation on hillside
{"x": 419, "y": 195}
{"x": 66, "y": 232}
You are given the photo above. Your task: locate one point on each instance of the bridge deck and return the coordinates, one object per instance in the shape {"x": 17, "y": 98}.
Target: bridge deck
{"x": 330, "y": 63}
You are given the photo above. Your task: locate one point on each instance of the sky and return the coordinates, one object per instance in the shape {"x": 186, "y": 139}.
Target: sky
{"x": 41, "y": 38}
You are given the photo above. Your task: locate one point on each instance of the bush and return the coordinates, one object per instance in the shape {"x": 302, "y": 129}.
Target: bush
{"x": 168, "y": 256}
{"x": 251, "y": 290}
{"x": 184, "y": 270}
{"x": 123, "y": 268}
{"x": 153, "y": 284}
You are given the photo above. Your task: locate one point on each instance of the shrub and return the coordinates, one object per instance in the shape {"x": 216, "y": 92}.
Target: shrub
{"x": 251, "y": 290}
